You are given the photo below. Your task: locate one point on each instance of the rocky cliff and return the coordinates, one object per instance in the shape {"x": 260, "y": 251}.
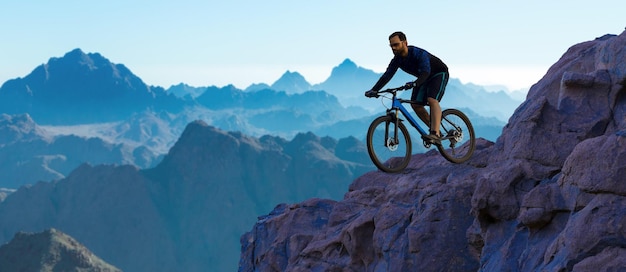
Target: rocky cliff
{"x": 548, "y": 195}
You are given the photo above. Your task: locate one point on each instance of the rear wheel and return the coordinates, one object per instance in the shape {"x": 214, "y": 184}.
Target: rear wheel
{"x": 458, "y": 142}
{"x": 388, "y": 145}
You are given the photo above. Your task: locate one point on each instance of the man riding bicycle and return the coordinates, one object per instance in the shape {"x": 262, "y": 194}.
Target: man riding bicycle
{"x": 428, "y": 89}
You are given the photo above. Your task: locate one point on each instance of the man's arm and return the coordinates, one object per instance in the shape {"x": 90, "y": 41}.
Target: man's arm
{"x": 423, "y": 64}
{"x": 421, "y": 78}
{"x": 386, "y": 77}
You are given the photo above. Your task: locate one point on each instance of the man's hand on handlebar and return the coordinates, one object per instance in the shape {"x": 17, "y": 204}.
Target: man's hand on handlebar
{"x": 371, "y": 93}
{"x": 409, "y": 85}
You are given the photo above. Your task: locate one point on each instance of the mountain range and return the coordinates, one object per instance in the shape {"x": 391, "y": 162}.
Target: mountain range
{"x": 44, "y": 138}
{"x": 82, "y": 88}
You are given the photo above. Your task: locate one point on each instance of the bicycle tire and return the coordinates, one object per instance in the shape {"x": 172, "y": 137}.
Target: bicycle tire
{"x": 388, "y": 155}
{"x": 459, "y": 141}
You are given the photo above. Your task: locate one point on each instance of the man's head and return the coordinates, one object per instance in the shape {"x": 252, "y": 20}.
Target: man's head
{"x": 399, "y": 46}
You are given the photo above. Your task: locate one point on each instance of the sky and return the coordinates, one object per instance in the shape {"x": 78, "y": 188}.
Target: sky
{"x": 216, "y": 43}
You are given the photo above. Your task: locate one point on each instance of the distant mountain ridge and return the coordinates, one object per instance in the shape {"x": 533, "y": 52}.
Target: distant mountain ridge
{"x": 81, "y": 88}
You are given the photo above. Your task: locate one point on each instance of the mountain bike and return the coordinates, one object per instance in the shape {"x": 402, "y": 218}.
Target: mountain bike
{"x": 389, "y": 143}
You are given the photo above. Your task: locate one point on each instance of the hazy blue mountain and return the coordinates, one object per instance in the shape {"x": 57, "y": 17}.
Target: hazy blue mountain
{"x": 231, "y": 97}
{"x": 187, "y": 213}
{"x": 291, "y": 82}
{"x": 275, "y": 111}
{"x": 185, "y": 91}
{"x": 257, "y": 87}
{"x": 148, "y": 129}
{"x": 349, "y": 80}
{"x": 221, "y": 98}
{"x": 82, "y": 88}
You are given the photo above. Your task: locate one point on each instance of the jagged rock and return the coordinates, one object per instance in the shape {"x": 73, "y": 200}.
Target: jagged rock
{"x": 548, "y": 195}
{"x": 50, "y": 250}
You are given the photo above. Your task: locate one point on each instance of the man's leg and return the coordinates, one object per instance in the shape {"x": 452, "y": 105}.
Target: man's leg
{"x": 435, "y": 114}
{"x": 422, "y": 113}
{"x": 436, "y": 89}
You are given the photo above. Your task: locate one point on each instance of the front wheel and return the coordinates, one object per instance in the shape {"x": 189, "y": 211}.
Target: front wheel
{"x": 388, "y": 144}
{"x": 458, "y": 142}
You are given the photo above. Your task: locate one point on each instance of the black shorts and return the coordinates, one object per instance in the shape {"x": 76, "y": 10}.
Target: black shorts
{"x": 434, "y": 87}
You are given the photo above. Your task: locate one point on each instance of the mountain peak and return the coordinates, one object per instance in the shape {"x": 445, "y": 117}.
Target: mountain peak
{"x": 348, "y": 63}
{"x": 90, "y": 60}
{"x": 292, "y": 82}
{"x": 50, "y": 250}
{"x": 77, "y": 52}
{"x": 347, "y": 80}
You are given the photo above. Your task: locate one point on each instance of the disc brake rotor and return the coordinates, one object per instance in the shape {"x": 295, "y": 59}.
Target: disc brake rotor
{"x": 391, "y": 145}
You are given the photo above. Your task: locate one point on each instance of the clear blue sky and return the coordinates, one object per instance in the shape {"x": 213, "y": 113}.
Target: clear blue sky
{"x": 206, "y": 43}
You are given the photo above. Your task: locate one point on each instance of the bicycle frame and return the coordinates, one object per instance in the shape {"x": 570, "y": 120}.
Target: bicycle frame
{"x": 396, "y": 105}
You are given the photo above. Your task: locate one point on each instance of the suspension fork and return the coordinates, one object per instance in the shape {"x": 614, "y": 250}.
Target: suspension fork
{"x": 395, "y": 131}
{"x": 395, "y": 120}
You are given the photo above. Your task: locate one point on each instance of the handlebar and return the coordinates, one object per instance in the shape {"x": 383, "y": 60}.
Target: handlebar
{"x": 391, "y": 90}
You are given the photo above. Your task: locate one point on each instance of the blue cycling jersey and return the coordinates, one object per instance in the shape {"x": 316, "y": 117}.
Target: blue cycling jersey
{"x": 418, "y": 63}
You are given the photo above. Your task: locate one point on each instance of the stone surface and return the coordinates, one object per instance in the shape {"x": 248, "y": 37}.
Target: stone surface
{"x": 548, "y": 195}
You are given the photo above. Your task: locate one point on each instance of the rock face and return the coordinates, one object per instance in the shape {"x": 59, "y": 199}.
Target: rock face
{"x": 50, "y": 250}
{"x": 548, "y": 195}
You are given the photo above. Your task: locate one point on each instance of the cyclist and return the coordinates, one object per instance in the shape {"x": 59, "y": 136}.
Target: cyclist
{"x": 428, "y": 89}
